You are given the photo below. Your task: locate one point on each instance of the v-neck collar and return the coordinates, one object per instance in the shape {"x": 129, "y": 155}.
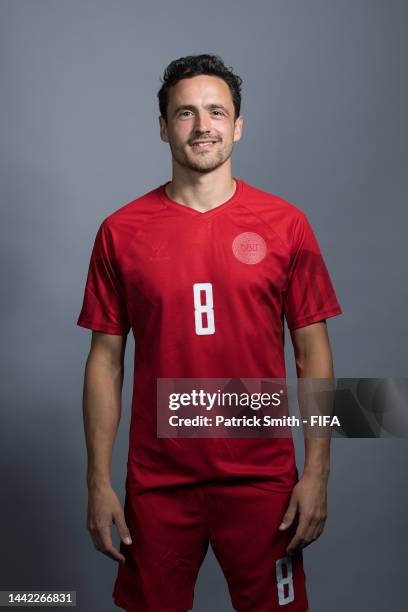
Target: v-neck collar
{"x": 161, "y": 192}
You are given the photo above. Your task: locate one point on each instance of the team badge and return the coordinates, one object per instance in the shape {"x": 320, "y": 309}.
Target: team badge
{"x": 249, "y": 247}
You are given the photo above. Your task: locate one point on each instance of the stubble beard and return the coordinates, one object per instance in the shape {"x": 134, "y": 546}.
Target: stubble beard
{"x": 202, "y": 161}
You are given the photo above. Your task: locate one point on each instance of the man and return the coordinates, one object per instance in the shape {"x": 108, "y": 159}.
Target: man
{"x": 204, "y": 268}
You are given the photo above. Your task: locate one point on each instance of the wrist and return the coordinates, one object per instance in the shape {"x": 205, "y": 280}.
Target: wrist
{"x": 317, "y": 471}
{"x": 98, "y": 481}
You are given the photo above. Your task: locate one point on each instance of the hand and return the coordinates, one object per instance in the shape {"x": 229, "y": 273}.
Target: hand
{"x": 104, "y": 509}
{"x": 309, "y": 498}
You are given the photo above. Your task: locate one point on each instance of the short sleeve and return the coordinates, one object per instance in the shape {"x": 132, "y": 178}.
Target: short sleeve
{"x": 104, "y": 308}
{"x": 309, "y": 295}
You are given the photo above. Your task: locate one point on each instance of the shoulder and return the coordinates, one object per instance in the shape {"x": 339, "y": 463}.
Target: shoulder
{"x": 132, "y": 214}
{"x": 280, "y": 215}
{"x": 268, "y": 202}
{"x": 117, "y": 230}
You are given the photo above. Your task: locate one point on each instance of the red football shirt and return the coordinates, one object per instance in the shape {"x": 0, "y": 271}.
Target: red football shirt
{"x": 255, "y": 260}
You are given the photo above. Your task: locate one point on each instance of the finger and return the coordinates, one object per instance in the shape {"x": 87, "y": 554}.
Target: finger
{"x": 295, "y": 545}
{"x": 95, "y": 535}
{"x": 107, "y": 546}
{"x": 114, "y": 554}
{"x": 319, "y": 529}
{"x": 314, "y": 532}
{"x": 124, "y": 533}
{"x": 310, "y": 536}
{"x": 310, "y": 531}
{"x": 299, "y": 539}
{"x": 289, "y": 515}
{"x": 315, "y": 537}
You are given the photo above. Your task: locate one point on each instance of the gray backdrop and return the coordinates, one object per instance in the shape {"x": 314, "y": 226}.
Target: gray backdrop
{"x": 324, "y": 101}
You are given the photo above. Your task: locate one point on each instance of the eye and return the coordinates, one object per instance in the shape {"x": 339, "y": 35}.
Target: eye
{"x": 217, "y": 111}
{"x": 184, "y": 112}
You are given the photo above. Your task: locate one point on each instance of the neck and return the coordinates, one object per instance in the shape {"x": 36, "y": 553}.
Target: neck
{"x": 201, "y": 190}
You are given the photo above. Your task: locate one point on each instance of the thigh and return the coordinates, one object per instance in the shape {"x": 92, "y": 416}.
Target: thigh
{"x": 244, "y": 535}
{"x": 169, "y": 543}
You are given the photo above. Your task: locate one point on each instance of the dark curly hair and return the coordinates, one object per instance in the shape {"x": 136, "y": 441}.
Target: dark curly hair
{"x": 194, "y": 65}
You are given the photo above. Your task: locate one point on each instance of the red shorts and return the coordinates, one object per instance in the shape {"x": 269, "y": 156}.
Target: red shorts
{"x": 171, "y": 530}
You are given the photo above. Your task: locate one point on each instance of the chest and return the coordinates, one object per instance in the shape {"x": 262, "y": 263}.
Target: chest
{"x": 175, "y": 266}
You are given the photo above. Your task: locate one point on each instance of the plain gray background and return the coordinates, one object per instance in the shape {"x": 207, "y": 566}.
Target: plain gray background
{"x": 324, "y": 101}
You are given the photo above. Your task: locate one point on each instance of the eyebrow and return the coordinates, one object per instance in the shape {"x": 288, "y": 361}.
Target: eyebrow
{"x": 193, "y": 108}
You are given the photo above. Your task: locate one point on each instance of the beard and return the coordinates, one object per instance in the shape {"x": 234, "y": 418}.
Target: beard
{"x": 202, "y": 161}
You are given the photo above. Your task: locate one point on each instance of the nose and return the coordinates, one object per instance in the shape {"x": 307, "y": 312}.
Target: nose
{"x": 202, "y": 122}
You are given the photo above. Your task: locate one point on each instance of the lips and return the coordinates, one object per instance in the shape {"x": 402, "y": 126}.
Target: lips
{"x": 203, "y": 144}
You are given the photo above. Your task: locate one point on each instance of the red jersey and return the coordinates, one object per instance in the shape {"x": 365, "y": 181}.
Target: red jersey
{"x": 205, "y": 294}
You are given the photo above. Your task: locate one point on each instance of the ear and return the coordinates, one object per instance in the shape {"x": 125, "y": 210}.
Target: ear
{"x": 238, "y": 128}
{"x": 163, "y": 129}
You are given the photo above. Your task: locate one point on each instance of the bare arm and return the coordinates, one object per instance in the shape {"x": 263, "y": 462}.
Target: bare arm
{"x": 314, "y": 359}
{"x": 101, "y": 411}
{"x": 102, "y": 403}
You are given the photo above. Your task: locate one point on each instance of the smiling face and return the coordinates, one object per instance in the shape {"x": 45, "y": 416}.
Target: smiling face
{"x": 200, "y": 108}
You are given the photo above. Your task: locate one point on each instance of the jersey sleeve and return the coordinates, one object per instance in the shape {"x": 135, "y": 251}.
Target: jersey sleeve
{"x": 104, "y": 308}
{"x": 309, "y": 295}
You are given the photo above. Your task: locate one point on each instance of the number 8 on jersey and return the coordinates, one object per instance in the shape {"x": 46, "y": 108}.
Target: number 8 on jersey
{"x": 203, "y": 313}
